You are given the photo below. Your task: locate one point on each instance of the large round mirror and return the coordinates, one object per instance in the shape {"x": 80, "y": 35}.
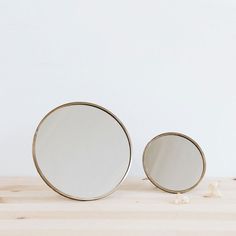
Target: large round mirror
{"x": 82, "y": 151}
{"x": 174, "y": 162}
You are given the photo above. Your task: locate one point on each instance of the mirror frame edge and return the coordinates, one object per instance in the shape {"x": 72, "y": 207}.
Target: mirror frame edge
{"x": 194, "y": 143}
{"x": 48, "y": 182}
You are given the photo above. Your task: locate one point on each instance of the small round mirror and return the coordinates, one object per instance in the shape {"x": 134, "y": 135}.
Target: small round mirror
{"x": 174, "y": 162}
{"x": 82, "y": 151}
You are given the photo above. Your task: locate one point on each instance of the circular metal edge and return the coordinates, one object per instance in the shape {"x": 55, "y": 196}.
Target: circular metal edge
{"x": 48, "y": 182}
{"x": 194, "y": 143}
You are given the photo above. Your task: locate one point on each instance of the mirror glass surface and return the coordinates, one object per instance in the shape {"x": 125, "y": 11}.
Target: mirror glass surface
{"x": 174, "y": 162}
{"x": 82, "y": 151}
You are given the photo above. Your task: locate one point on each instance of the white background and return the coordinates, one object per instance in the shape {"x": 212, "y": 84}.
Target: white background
{"x": 158, "y": 65}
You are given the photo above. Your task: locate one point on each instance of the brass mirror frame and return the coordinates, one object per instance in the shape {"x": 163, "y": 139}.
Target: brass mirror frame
{"x": 41, "y": 173}
{"x": 194, "y": 143}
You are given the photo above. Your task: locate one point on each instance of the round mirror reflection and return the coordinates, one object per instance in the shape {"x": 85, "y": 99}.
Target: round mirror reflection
{"x": 82, "y": 151}
{"x": 174, "y": 162}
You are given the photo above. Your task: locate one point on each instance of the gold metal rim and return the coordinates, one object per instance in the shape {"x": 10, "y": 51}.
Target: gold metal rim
{"x": 48, "y": 182}
{"x": 196, "y": 145}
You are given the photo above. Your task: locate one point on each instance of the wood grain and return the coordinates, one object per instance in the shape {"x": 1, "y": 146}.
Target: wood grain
{"x": 29, "y": 207}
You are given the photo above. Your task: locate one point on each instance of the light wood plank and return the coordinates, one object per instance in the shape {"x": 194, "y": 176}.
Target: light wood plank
{"x": 29, "y": 207}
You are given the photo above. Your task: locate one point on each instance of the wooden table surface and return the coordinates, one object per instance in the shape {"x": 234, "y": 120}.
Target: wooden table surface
{"x": 29, "y": 207}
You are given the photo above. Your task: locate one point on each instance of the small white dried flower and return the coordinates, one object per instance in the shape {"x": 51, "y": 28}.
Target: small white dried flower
{"x": 181, "y": 199}
{"x": 213, "y": 190}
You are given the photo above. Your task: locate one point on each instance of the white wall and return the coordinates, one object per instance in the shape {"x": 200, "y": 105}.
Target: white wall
{"x": 158, "y": 65}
